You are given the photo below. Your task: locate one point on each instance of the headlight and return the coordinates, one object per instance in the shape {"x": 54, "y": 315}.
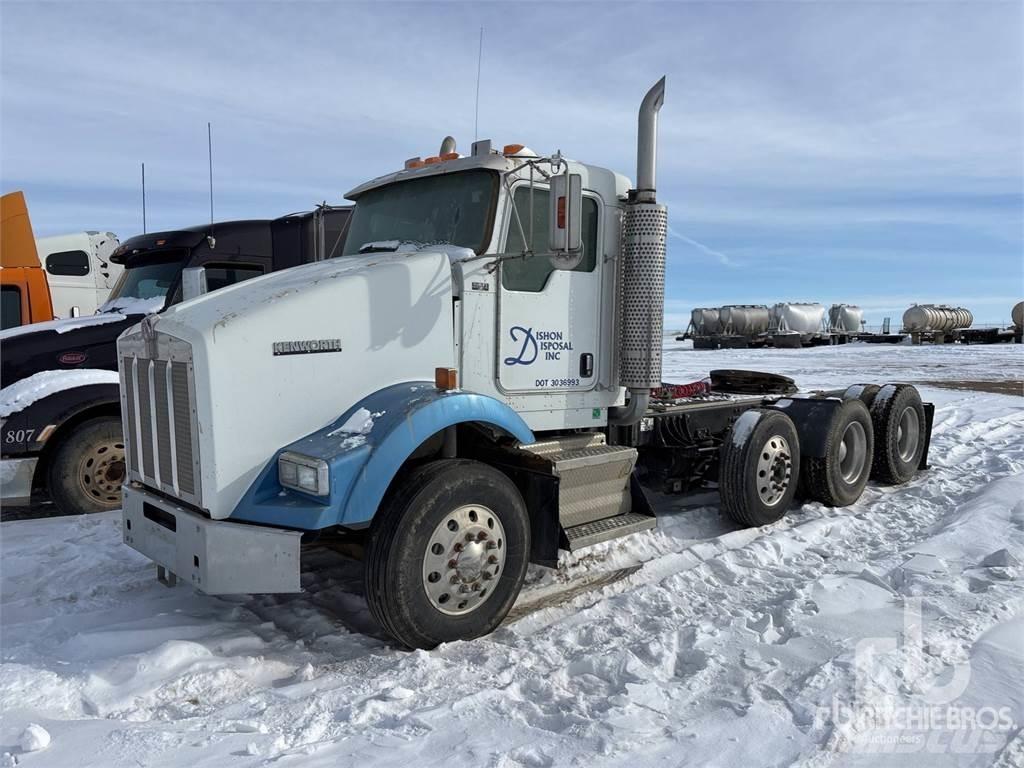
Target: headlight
{"x": 303, "y": 473}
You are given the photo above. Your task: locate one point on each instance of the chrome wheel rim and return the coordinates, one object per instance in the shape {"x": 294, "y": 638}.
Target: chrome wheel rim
{"x": 853, "y": 452}
{"x": 463, "y": 560}
{"x": 101, "y": 473}
{"x": 907, "y": 433}
{"x": 774, "y": 470}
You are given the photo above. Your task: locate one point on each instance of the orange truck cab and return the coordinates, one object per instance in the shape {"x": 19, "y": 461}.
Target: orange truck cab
{"x": 24, "y": 291}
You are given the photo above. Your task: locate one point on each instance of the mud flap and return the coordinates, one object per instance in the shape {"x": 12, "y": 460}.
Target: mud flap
{"x": 929, "y": 418}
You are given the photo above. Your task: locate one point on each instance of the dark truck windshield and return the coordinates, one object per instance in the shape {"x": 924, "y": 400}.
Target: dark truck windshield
{"x": 147, "y": 279}
{"x": 456, "y": 208}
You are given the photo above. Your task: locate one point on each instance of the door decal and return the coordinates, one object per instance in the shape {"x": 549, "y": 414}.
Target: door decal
{"x": 528, "y": 352}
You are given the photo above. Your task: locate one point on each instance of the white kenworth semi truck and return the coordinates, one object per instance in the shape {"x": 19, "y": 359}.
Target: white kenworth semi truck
{"x": 474, "y": 386}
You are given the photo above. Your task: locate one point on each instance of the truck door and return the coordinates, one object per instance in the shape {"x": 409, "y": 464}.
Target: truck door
{"x": 548, "y": 319}
{"x": 72, "y": 285}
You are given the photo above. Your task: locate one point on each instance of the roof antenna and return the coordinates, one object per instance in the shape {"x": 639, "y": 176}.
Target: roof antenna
{"x": 143, "y": 198}
{"x": 209, "y": 154}
{"x": 476, "y": 114}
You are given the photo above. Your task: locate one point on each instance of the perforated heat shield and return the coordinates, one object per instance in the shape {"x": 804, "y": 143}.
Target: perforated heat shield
{"x": 642, "y": 295}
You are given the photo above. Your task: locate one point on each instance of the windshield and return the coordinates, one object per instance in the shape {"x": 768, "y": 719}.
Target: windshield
{"x": 146, "y": 280}
{"x": 456, "y": 208}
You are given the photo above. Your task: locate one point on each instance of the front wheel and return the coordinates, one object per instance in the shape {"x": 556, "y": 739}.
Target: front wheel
{"x": 87, "y": 470}
{"x": 447, "y": 553}
{"x": 759, "y": 467}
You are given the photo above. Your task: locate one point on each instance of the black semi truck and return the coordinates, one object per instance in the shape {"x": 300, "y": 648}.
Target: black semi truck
{"x": 60, "y": 412}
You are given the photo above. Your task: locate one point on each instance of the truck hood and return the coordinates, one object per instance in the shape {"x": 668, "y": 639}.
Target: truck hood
{"x": 74, "y": 343}
{"x": 276, "y": 358}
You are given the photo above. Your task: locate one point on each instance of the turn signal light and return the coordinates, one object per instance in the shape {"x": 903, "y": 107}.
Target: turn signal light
{"x": 511, "y": 149}
{"x": 446, "y": 378}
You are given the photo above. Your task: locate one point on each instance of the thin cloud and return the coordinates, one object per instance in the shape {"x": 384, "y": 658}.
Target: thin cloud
{"x": 721, "y": 257}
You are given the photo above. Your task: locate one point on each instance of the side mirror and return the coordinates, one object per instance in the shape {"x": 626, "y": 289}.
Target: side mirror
{"x": 566, "y": 220}
{"x": 193, "y": 282}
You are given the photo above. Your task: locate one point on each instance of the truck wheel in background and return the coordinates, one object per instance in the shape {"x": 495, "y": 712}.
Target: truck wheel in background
{"x": 87, "y": 469}
{"x": 838, "y": 478}
{"x": 863, "y": 392}
{"x": 447, "y": 553}
{"x": 760, "y": 467}
{"x": 899, "y": 421}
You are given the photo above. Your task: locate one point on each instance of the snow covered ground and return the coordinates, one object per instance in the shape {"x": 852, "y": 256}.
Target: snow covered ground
{"x": 887, "y": 633}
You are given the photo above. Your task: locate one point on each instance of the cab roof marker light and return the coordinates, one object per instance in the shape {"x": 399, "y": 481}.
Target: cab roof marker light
{"x": 512, "y": 149}
{"x": 413, "y": 162}
{"x": 432, "y": 160}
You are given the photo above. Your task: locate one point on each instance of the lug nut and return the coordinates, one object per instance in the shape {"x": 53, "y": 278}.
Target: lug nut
{"x": 452, "y": 564}
{"x": 487, "y": 576}
{"x": 463, "y": 589}
{"x": 453, "y": 580}
{"x": 469, "y": 537}
{"x": 476, "y": 587}
{"x": 492, "y": 559}
{"x": 482, "y": 536}
{"x": 492, "y": 545}
{"x": 458, "y": 546}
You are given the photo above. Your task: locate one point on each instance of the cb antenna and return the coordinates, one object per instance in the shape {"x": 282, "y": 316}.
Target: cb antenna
{"x": 209, "y": 155}
{"x": 143, "y": 198}
{"x": 476, "y": 112}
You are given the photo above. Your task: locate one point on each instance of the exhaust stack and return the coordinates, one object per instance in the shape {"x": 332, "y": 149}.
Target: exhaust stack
{"x": 642, "y": 279}
{"x": 647, "y": 143}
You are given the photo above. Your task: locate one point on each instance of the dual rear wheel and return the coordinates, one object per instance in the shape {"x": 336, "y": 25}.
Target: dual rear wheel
{"x": 877, "y": 432}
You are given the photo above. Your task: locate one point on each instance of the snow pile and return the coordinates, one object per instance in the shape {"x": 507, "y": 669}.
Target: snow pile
{"x": 454, "y": 252}
{"x": 833, "y": 637}
{"x": 131, "y": 305}
{"x": 113, "y": 311}
{"x": 356, "y": 428}
{"x": 62, "y": 326}
{"x": 21, "y": 394}
{"x": 34, "y": 738}
{"x": 359, "y": 423}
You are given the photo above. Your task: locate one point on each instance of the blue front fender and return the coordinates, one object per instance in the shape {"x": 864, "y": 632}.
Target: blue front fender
{"x": 363, "y": 466}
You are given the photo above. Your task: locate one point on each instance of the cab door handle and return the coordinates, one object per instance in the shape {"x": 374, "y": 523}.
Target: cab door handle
{"x": 586, "y": 365}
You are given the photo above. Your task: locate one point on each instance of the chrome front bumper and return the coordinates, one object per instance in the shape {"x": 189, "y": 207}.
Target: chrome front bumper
{"x": 16, "y": 480}
{"x": 215, "y": 556}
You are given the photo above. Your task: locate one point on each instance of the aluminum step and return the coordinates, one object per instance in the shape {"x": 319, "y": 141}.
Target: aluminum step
{"x": 587, "y": 534}
{"x": 593, "y": 483}
{"x": 593, "y": 477}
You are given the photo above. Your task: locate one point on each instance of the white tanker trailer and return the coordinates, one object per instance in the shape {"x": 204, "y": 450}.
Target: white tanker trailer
{"x": 744, "y": 319}
{"x": 936, "y": 318}
{"x": 845, "y": 319}
{"x": 734, "y": 326}
{"x": 796, "y": 324}
{"x": 704, "y": 321}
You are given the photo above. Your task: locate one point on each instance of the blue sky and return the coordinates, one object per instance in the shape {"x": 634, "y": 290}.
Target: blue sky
{"x": 860, "y": 152}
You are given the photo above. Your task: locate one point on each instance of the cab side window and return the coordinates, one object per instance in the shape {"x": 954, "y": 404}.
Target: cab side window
{"x": 70, "y": 263}
{"x": 10, "y": 306}
{"x": 532, "y": 273}
{"x": 223, "y": 275}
